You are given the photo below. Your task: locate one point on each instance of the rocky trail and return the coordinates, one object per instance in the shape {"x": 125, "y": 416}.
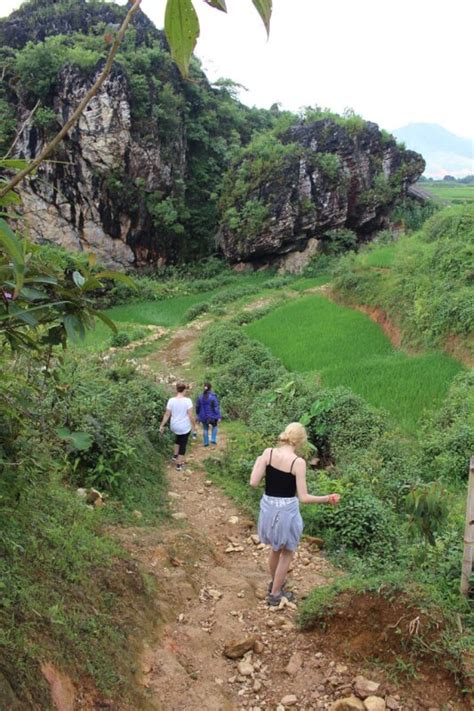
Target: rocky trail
{"x": 220, "y": 647}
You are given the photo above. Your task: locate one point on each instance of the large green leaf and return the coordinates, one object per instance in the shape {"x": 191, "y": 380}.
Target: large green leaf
{"x": 105, "y": 319}
{"x": 13, "y": 163}
{"x": 117, "y": 276}
{"x": 76, "y": 440}
{"x": 264, "y": 9}
{"x": 31, "y": 294}
{"x": 218, "y": 4}
{"x": 182, "y": 31}
{"x": 24, "y": 315}
{"x": 74, "y": 327}
{"x": 78, "y": 279}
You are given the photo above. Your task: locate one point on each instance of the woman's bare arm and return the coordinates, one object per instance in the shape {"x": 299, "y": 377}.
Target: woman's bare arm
{"x": 302, "y": 489}
{"x": 259, "y": 467}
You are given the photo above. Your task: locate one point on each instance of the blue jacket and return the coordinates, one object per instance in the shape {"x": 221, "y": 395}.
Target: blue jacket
{"x": 207, "y": 408}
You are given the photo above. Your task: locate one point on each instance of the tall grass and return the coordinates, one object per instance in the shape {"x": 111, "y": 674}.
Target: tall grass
{"x": 344, "y": 347}
{"x": 381, "y": 256}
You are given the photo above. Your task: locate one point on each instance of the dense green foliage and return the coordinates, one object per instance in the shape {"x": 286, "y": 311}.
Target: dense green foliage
{"x": 63, "y": 582}
{"x": 428, "y": 289}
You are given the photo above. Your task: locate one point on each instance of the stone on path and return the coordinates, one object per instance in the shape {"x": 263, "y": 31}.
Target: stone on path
{"x": 289, "y": 700}
{"x": 364, "y": 687}
{"x": 374, "y": 703}
{"x": 350, "y": 703}
{"x": 179, "y": 516}
{"x": 392, "y": 703}
{"x": 295, "y": 664}
{"x": 234, "y": 649}
{"x": 245, "y": 668}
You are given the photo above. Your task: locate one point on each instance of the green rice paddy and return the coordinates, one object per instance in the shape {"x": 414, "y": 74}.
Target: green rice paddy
{"x": 128, "y": 317}
{"x": 344, "y": 347}
{"x": 445, "y": 191}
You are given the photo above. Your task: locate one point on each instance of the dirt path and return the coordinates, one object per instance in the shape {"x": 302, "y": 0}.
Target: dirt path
{"x": 212, "y": 579}
{"x": 216, "y": 573}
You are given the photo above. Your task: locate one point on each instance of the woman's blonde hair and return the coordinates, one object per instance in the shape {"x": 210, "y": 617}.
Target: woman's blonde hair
{"x": 294, "y": 434}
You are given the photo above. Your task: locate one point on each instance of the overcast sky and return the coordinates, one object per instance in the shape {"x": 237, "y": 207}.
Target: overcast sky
{"x": 394, "y": 62}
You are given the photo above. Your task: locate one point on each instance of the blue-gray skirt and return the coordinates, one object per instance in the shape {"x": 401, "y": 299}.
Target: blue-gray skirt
{"x": 280, "y": 524}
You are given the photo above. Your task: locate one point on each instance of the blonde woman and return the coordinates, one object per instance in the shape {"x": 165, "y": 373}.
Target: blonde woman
{"x": 280, "y": 524}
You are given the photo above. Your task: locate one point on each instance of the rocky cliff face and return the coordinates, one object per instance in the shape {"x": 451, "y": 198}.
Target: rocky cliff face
{"x": 330, "y": 176}
{"x": 86, "y": 198}
{"x": 139, "y": 179}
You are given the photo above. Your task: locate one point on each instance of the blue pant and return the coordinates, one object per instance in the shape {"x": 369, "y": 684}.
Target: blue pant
{"x": 205, "y": 433}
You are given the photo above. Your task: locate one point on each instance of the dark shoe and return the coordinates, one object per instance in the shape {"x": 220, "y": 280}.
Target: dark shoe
{"x": 214, "y": 444}
{"x": 179, "y": 467}
{"x": 274, "y": 600}
{"x": 283, "y": 593}
{"x": 174, "y": 458}
{"x": 206, "y": 445}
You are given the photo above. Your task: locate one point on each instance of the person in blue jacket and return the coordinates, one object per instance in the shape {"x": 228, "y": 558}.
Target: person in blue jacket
{"x": 208, "y": 413}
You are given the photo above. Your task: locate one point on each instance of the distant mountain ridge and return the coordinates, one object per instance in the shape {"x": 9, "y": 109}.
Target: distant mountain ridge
{"x": 444, "y": 152}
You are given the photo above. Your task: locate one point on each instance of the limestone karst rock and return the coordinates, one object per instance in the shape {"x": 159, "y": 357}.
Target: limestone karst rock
{"x": 332, "y": 175}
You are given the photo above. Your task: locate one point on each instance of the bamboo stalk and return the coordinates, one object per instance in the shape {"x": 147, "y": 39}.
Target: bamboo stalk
{"x": 468, "y": 534}
{"x": 80, "y": 108}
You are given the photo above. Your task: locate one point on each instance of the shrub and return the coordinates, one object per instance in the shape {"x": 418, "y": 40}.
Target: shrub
{"x": 339, "y": 241}
{"x": 120, "y": 339}
{"x": 447, "y": 438}
{"x": 219, "y": 341}
{"x": 196, "y": 310}
{"x": 277, "y": 282}
{"x": 339, "y": 421}
{"x": 361, "y": 522}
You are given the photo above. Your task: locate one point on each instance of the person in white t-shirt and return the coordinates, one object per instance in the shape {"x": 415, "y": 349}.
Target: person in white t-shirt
{"x": 179, "y": 410}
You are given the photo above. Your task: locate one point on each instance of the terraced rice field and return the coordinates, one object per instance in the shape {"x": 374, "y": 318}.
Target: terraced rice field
{"x": 344, "y": 347}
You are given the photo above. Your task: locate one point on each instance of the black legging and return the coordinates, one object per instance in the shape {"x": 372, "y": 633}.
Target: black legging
{"x": 182, "y": 440}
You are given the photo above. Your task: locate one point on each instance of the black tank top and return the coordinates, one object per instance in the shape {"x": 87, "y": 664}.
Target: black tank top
{"x": 279, "y": 483}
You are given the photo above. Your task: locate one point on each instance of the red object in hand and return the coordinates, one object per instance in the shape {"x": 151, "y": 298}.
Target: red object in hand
{"x": 334, "y": 499}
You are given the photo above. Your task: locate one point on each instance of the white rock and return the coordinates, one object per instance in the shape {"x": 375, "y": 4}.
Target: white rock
{"x": 364, "y": 687}
{"x": 289, "y": 700}
{"x": 234, "y": 520}
{"x": 179, "y": 516}
{"x": 295, "y": 663}
{"x": 245, "y": 668}
{"x": 374, "y": 703}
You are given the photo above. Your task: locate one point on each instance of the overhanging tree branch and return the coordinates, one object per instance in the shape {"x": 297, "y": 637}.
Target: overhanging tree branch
{"x": 80, "y": 108}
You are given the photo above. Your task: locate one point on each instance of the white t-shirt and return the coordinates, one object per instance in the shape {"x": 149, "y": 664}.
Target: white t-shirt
{"x": 179, "y": 406}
